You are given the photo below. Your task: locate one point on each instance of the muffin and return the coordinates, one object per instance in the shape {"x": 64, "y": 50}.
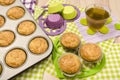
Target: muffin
{"x": 0, "y": 69}
{"x": 6, "y": 2}
{"x": 2, "y": 20}
{"x": 90, "y": 52}
{"x": 15, "y": 57}
{"x": 26, "y": 27}
{"x": 38, "y": 45}
{"x": 70, "y": 40}
{"x": 69, "y": 63}
{"x": 15, "y": 12}
{"x": 6, "y": 38}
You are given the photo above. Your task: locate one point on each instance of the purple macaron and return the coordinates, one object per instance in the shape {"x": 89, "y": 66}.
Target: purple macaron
{"x": 54, "y": 21}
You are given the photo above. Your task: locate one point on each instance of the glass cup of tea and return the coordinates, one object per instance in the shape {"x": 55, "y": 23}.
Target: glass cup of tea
{"x": 97, "y": 15}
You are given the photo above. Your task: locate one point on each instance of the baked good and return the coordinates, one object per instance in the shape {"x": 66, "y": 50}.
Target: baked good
{"x": 0, "y": 69}
{"x": 15, "y": 57}
{"x": 6, "y": 37}
{"x": 69, "y": 12}
{"x": 26, "y": 27}
{"x": 90, "y": 52}
{"x": 15, "y": 12}
{"x": 55, "y": 8}
{"x": 38, "y": 45}
{"x": 69, "y": 63}
{"x": 54, "y": 21}
{"x": 2, "y": 20}
{"x": 70, "y": 40}
{"x": 6, "y": 2}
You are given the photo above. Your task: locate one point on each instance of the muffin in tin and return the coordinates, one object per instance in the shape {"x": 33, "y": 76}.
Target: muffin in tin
{"x": 6, "y": 2}
{"x": 70, "y": 64}
{"x": 90, "y": 52}
{"x": 15, "y": 57}
{"x": 16, "y": 12}
{"x": 1, "y": 69}
{"x": 70, "y": 40}
{"x": 2, "y": 20}
{"x": 38, "y": 45}
{"x": 26, "y": 27}
{"x": 6, "y": 38}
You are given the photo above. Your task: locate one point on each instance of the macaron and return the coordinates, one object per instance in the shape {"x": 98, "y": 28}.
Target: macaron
{"x": 54, "y": 21}
{"x": 55, "y": 7}
{"x": 69, "y": 12}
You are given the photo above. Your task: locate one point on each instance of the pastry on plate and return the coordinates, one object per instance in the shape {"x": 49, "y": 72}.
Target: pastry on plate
{"x": 90, "y": 52}
{"x": 70, "y": 40}
{"x": 15, "y": 57}
{"x": 2, "y": 20}
{"x": 69, "y": 63}
{"x": 26, "y": 27}
{"x": 38, "y": 45}
{"x": 16, "y": 12}
{"x": 6, "y": 2}
{"x": 6, "y": 38}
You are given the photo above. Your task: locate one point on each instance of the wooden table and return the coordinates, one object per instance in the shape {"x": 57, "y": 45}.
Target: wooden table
{"x": 113, "y": 5}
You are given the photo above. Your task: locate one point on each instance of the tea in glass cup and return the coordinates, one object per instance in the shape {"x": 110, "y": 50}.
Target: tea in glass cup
{"x": 97, "y": 16}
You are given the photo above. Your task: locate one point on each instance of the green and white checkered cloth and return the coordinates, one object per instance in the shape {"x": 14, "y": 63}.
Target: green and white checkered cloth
{"x": 111, "y": 71}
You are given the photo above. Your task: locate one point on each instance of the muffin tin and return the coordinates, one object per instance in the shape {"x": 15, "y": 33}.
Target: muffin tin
{"x": 20, "y": 42}
{"x": 2, "y": 20}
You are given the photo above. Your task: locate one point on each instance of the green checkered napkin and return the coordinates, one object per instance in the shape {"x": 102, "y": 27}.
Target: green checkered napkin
{"x": 111, "y": 71}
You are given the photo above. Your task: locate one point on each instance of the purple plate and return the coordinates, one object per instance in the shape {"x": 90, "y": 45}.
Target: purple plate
{"x": 77, "y": 9}
{"x": 52, "y": 29}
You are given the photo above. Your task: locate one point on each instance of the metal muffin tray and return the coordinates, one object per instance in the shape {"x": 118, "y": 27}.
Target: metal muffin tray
{"x": 21, "y": 42}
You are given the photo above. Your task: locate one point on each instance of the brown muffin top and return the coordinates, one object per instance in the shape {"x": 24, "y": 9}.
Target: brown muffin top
{"x": 6, "y": 38}
{"x": 15, "y": 12}
{"x": 69, "y": 63}
{"x": 6, "y": 2}
{"x": 2, "y": 21}
{"x": 15, "y": 58}
{"x": 38, "y": 45}
{"x": 70, "y": 40}
{"x": 26, "y": 27}
{"x": 90, "y": 52}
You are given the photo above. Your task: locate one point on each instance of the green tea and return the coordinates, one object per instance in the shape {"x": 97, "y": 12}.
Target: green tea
{"x": 96, "y": 17}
